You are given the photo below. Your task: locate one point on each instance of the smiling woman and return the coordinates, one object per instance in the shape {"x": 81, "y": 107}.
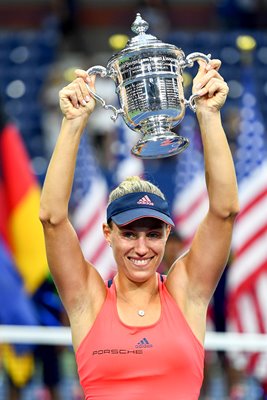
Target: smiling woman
{"x": 138, "y": 248}
{"x": 141, "y": 335}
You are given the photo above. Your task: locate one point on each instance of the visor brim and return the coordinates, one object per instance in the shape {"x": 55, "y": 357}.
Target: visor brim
{"x": 126, "y": 217}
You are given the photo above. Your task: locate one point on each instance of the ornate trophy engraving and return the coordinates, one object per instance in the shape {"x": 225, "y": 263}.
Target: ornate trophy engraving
{"x": 148, "y": 78}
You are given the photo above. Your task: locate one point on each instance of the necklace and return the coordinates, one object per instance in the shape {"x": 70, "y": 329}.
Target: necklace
{"x": 141, "y": 313}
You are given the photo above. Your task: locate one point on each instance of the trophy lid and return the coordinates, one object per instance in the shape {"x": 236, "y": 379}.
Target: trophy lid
{"x": 140, "y": 26}
{"x": 142, "y": 40}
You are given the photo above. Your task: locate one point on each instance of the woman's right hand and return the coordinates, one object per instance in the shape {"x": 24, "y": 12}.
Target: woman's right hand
{"x": 74, "y": 99}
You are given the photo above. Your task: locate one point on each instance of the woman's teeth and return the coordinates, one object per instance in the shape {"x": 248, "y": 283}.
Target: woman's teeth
{"x": 140, "y": 262}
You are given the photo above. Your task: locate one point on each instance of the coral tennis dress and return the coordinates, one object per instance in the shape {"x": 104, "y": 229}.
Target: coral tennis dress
{"x": 162, "y": 361}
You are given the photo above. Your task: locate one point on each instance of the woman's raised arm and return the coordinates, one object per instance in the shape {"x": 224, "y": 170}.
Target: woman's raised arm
{"x": 78, "y": 283}
{"x": 197, "y": 273}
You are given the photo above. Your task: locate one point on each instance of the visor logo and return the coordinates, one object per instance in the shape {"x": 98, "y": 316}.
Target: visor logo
{"x": 145, "y": 200}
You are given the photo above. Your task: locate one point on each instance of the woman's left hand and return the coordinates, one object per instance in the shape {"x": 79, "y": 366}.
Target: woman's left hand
{"x": 210, "y": 86}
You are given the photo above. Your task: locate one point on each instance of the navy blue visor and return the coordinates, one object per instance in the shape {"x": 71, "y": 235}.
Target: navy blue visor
{"x": 133, "y": 206}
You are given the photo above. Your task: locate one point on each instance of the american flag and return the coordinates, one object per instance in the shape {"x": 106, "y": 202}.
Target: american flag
{"x": 191, "y": 201}
{"x": 247, "y": 276}
{"x": 88, "y": 209}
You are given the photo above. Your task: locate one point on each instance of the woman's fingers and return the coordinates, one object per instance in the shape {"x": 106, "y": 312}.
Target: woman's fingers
{"x": 204, "y": 68}
{"x": 89, "y": 79}
{"x": 84, "y": 95}
{"x": 80, "y": 73}
{"x": 77, "y": 92}
{"x": 201, "y": 82}
{"x": 214, "y": 86}
{"x": 67, "y": 94}
{"x": 75, "y": 98}
{"x": 213, "y": 64}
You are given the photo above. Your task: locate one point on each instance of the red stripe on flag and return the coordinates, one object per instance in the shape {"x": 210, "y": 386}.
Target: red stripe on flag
{"x": 253, "y": 358}
{"x": 251, "y": 204}
{"x": 258, "y": 310}
{"x": 187, "y": 241}
{"x": 98, "y": 252}
{"x": 234, "y": 315}
{"x": 3, "y": 214}
{"x": 91, "y": 222}
{"x": 179, "y": 218}
{"x": 248, "y": 282}
{"x": 13, "y": 153}
{"x": 252, "y": 362}
{"x": 251, "y": 240}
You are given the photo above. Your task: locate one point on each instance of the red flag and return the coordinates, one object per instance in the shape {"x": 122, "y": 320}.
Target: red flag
{"x": 22, "y": 197}
{"x": 22, "y": 231}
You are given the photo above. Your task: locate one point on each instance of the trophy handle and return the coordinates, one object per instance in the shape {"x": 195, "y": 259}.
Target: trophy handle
{"x": 189, "y": 62}
{"x": 102, "y": 71}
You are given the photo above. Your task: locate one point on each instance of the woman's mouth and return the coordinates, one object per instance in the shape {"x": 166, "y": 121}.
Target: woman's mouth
{"x": 140, "y": 262}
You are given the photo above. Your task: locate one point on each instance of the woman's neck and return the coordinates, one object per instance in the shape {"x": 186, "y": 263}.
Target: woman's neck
{"x": 138, "y": 294}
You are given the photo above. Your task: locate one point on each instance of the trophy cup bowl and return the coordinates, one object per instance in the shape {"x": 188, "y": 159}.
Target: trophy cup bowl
{"x": 149, "y": 84}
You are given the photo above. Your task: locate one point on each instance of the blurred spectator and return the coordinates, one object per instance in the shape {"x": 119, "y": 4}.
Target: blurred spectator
{"x": 232, "y": 121}
{"x": 51, "y": 313}
{"x": 242, "y": 14}
{"x": 67, "y": 13}
{"x": 60, "y": 72}
{"x": 157, "y": 14}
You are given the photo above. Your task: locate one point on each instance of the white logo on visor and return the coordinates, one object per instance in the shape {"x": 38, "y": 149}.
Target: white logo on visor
{"x": 145, "y": 200}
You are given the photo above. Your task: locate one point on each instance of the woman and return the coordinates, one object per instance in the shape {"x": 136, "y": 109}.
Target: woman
{"x": 142, "y": 337}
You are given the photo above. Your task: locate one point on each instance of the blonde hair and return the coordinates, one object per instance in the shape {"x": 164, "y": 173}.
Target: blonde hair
{"x": 134, "y": 184}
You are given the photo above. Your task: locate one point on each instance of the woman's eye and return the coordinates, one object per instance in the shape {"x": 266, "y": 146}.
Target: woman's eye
{"x": 154, "y": 235}
{"x": 128, "y": 235}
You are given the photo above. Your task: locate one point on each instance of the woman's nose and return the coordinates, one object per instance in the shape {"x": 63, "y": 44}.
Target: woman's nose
{"x": 141, "y": 246}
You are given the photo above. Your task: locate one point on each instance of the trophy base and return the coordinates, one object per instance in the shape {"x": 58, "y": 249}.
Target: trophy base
{"x": 160, "y": 146}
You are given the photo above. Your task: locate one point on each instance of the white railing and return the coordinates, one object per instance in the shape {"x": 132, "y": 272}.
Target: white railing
{"x": 251, "y": 342}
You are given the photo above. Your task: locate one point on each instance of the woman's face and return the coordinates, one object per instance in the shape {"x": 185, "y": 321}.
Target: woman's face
{"x": 138, "y": 247}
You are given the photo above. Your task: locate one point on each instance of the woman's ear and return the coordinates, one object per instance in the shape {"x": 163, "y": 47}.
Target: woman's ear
{"x": 168, "y": 230}
{"x": 107, "y": 230}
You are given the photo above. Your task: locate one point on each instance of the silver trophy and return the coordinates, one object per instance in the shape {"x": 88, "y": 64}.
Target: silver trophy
{"x": 149, "y": 84}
